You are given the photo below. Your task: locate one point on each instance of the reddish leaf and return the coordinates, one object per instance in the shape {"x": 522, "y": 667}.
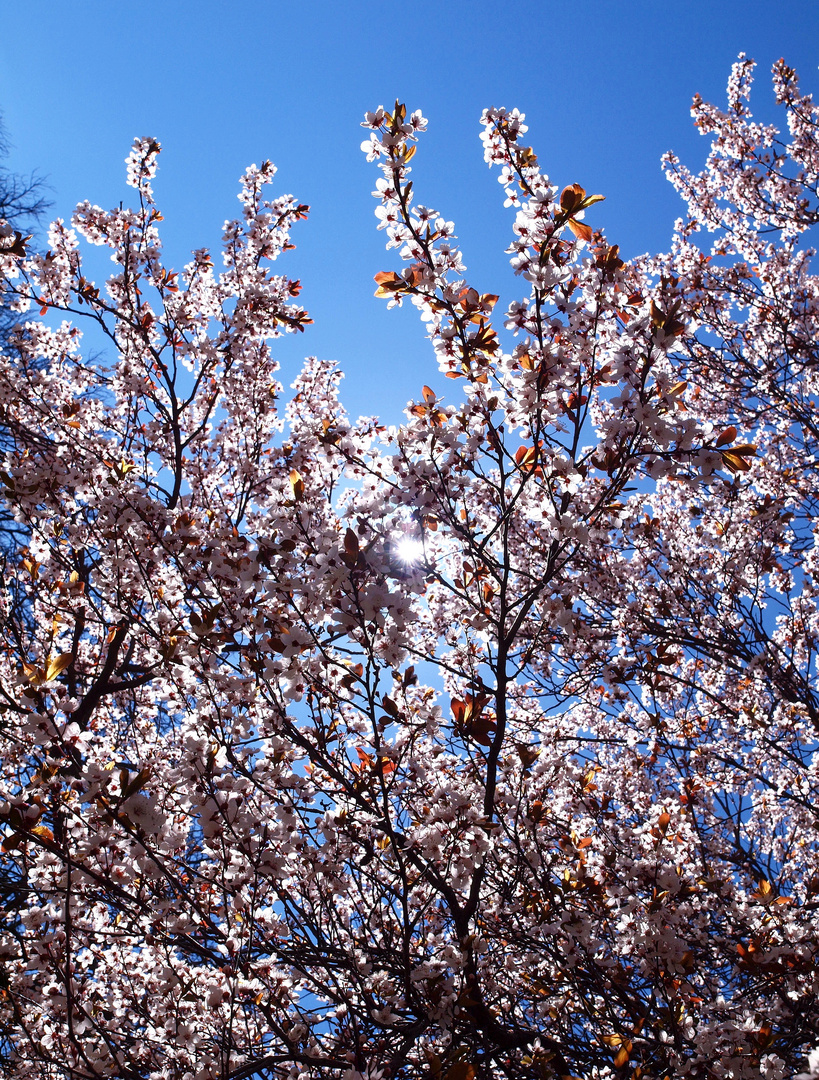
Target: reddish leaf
{"x": 351, "y": 545}
{"x": 727, "y": 436}
{"x": 571, "y": 197}
{"x": 581, "y": 230}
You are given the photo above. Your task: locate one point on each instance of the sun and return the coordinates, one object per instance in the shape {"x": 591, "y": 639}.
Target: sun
{"x": 409, "y": 550}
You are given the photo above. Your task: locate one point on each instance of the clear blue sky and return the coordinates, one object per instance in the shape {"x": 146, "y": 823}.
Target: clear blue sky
{"x": 606, "y": 86}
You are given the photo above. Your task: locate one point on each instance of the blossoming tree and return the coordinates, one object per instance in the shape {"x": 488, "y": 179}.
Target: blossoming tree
{"x": 484, "y": 746}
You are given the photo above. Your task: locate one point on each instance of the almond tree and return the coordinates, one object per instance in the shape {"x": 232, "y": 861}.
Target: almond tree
{"x": 481, "y": 746}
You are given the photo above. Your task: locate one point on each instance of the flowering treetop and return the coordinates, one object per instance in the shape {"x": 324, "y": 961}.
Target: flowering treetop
{"x": 481, "y": 746}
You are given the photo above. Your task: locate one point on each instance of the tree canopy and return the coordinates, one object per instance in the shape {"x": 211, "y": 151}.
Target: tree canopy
{"x": 481, "y": 746}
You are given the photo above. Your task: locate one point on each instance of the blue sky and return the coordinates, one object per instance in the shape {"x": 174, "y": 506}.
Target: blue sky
{"x": 606, "y": 86}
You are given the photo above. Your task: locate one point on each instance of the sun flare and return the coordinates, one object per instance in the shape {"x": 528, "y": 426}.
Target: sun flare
{"x": 409, "y": 550}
